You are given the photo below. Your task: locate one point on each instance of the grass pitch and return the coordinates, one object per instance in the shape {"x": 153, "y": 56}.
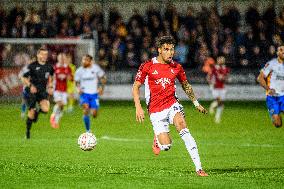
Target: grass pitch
{"x": 244, "y": 151}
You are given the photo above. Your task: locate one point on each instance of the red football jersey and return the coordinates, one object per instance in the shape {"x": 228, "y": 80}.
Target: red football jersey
{"x": 159, "y": 80}
{"x": 219, "y": 75}
{"x": 61, "y": 74}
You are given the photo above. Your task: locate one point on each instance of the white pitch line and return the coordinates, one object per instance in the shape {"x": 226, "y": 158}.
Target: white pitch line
{"x": 206, "y": 143}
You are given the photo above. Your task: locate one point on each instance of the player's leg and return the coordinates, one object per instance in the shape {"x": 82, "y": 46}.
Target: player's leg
{"x": 71, "y": 95}
{"x": 177, "y": 118}
{"x": 84, "y": 101}
{"x": 213, "y": 104}
{"x": 275, "y": 107}
{"x": 23, "y": 107}
{"x": 24, "y": 103}
{"x": 276, "y": 120}
{"x": 44, "y": 106}
{"x": 42, "y": 99}
{"x": 189, "y": 141}
{"x": 219, "y": 110}
{"x": 86, "y": 116}
{"x": 31, "y": 103}
{"x": 61, "y": 99}
{"x": 162, "y": 139}
{"x": 29, "y": 122}
{"x": 56, "y": 114}
{"x": 94, "y": 105}
{"x": 70, "y": 103}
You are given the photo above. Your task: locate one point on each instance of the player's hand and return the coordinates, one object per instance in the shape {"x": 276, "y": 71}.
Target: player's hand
{"x": 79, "y": 91}
{"x": 33, "y": 89}
{"x": 201, "y": 109}
{"x": 100, "y": 91}
{"x": 140, "y": 114}
{"x": 271, "y": 92}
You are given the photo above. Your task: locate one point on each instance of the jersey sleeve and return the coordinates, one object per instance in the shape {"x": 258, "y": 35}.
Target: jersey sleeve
{"x": 51, "y": 70}
{"x": 101, "y": 72}
{"x": 23, "y": 71}
{"x": 27, "y": 71}
{"x": 181, "y": 75}
{"x": 77, "y": 75}
{"x": 142, "y": 73}
{"x": 267, "y": 69}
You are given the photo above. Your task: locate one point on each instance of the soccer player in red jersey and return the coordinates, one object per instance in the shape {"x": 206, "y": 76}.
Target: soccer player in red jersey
{"x": 62, "y": 73}
{"x": 158, "y": 75}
{"x": 216, "y": 79}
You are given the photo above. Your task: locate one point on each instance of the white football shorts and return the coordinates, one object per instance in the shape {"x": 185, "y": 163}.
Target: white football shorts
{"x": 219, "y": 93}
{"x": 162, "y": 120}
{"x": 60, "y": 96}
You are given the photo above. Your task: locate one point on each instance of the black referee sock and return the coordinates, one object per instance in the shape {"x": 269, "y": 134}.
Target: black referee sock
{"x": 36, "y": 116}
{"x": 29, "y": 126}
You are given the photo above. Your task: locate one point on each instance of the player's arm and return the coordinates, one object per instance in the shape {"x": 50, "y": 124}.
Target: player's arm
{"x": 78, "y": 87}
{"x": 50, "y": 81}
{"x": 262, "y": 81}
{"x": 136, "y": 97}
{"x": 189, "y": 92}
{"x": 103, "y": 81}
{"x": 27, "y": 81}
{"x": 70, "y": 77}
{"x": 139, "y": 80}
{"x": 50, "y": 85}
{"x": 77, "y": 78}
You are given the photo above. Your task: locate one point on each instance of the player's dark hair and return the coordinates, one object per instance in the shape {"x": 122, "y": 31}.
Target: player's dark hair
{"x": 42, "y": 49}
{"x": 165, "y": 40}
{"x": 89, "y": 56}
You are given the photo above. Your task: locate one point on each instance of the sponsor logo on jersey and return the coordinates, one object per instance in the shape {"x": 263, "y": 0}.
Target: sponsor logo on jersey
{"x": 155, "y": 72}
{"x": 87, "y": 78}
{"x": 62, "y": 76}
{"x": 37, "y": 68}
{"x": 163, "y": 82}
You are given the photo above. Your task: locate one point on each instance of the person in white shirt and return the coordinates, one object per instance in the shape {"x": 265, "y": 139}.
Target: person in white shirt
{"x": 271, "y": 78}
{"x": 87, "y": 79}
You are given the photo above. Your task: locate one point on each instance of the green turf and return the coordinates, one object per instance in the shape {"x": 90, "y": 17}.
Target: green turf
{"x": 244, "y": 151}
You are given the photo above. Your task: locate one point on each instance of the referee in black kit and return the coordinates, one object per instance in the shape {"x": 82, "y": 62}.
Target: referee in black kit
{"x": 39, "y": 81}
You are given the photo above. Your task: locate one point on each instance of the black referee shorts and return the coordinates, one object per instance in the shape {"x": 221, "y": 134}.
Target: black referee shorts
{"x": 32, "y": 99}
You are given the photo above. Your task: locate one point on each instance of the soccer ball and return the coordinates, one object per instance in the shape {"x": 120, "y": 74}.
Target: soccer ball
{"x": 87, "y": 141}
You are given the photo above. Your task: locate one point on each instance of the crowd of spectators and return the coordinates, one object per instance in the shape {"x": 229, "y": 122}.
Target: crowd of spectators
{"x": 246, "y": 41}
